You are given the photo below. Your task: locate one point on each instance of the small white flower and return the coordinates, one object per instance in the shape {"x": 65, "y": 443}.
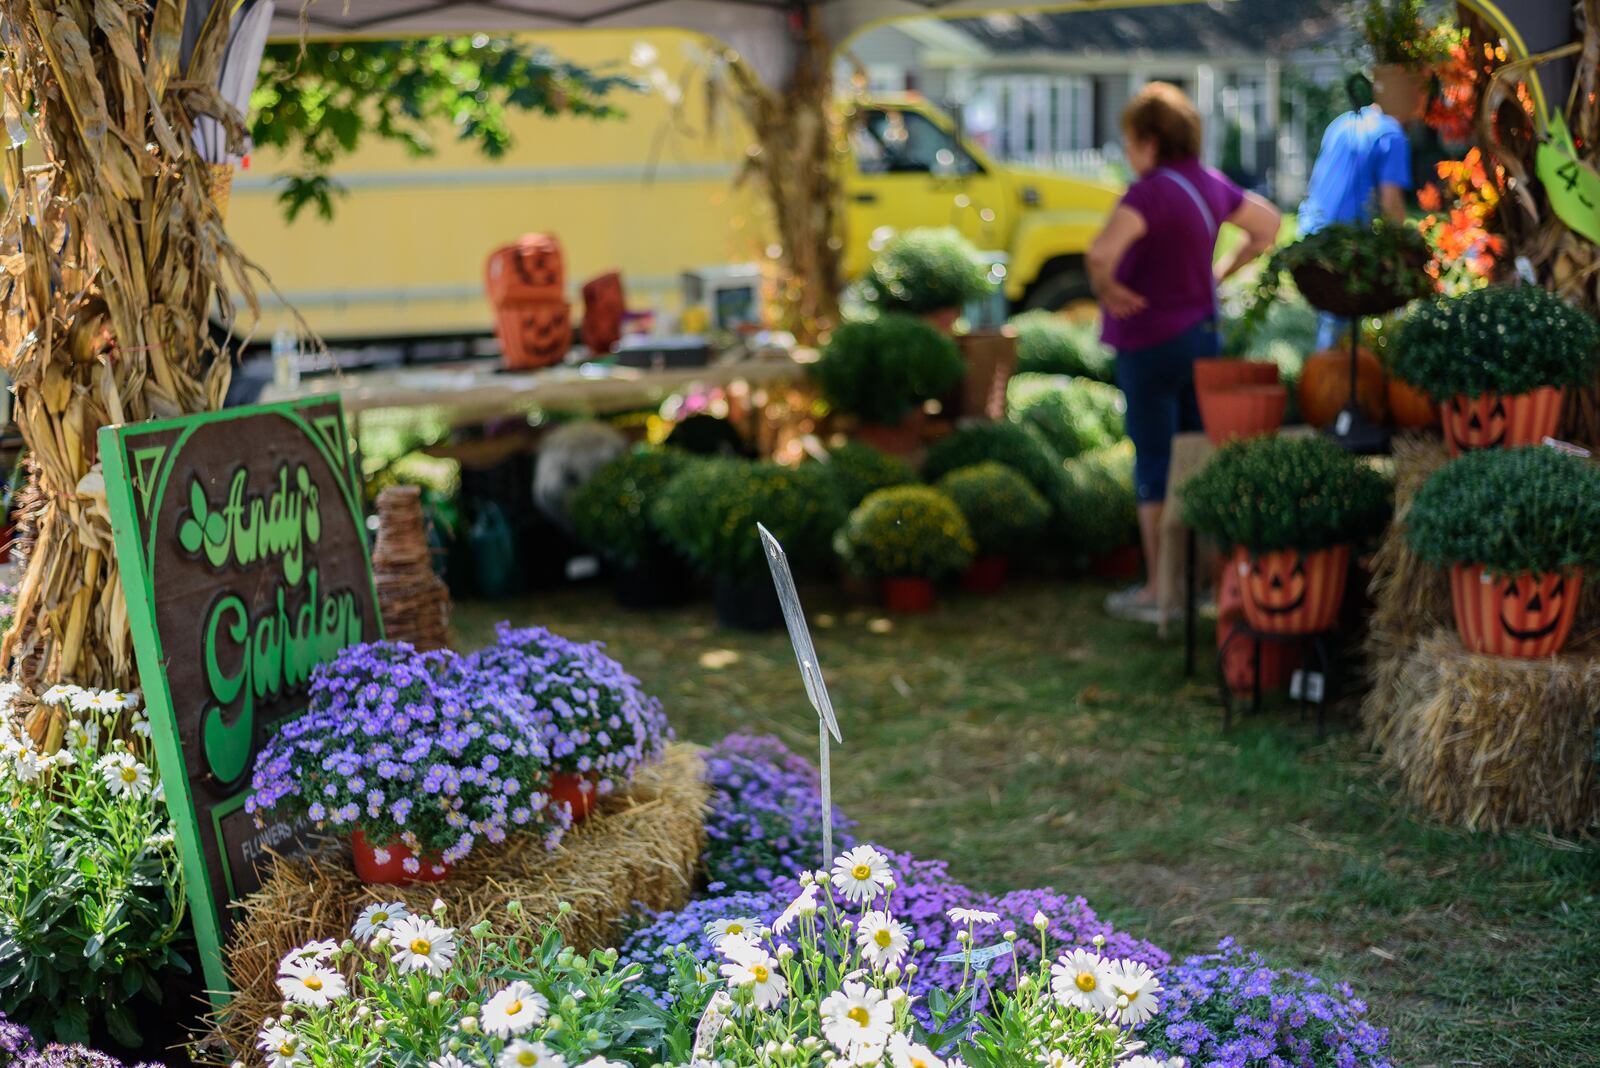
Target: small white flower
{"x": 758, "y": 971}
{"x": 514, "y": 1010}
{"x": 861, "y": 874}
{"x": 422, "y": 945}
{"x": 310, "y": 953}
{"x": 1057, "y": 1059}
{"x": 26, "y": 765}
{"x": 520, "y": 1054}
{"x": 282, "y": 1047}
{"x": 124, "y": 776}
{"x": 1083, "y": 980}
{"x": 904, "y": 1053}
{"x": 141, "y": 727}
{"x": 883, "y": 940}
{"x": 972, "y": 916}
{"x": 314, "y": 985}
{"x": 448, "y": 1060}
{"x": 377, "y": 917}
{"x": 1040, "y": 920}
{"x": 738, "y": 946}
{"x": 804, "y": 905}
{"x": 1137, "y": 984}
{"x": 601, "y": 1062}
{"x": 717, "y": 930}
{"x": 83, "y": 734}
{"x": 59, "y": 694}
{"x": 60, "y": 758}
{"x": 856, "y": 1015}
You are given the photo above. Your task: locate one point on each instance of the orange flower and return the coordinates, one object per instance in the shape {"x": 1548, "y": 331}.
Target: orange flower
{"x": 1428, "y": 198}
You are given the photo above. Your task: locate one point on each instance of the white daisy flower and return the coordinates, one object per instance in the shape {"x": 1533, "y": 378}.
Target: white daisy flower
{"x": 717, "y": 930}
{"x": 59, "y": 694}
{"x": 26, "y": 765}
{"x": 883, "y": 940}
{"x": 1146, "y": 1061}
{"x": 520, "y": 1054}
{"x": 601, "y": 1062}
{"x": 972, "y": 916}
{"x": 1057, "y": 1059}
{"x": 861, "y": 874}
{"x": 804, "y": 905}
{"x": 315, "y": 985}
{"x": 856, "y": 1015}
{"x": 758, "y": 971}
{"x": 310, "y": 953}
{"x": 738, "y": 946}
{"x": 420, "y": 945}
{"x": 61, "y": 757}
{"x": 89, "y": 701}
{"x": 83, "y": 734}
{"x": 141, "y": 726}
{"x": 904, "y": 1053}
{"x": 514, "y": 1010}
{"x": 1136, "y": 987}
{"x": 448, "y": 1060}
{"x": 1082, "y": 980}
{"x": 282, "y": 1047}
{"x": 124, "y": 776}
{"x": 377, "y": 917}
{"x": 118, "y": 701}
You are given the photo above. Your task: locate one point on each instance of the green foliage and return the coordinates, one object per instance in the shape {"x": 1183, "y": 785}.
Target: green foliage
{"x": 1402, "y": 31}
{"x": 1075, "y": 415}
{"x": 881, "y": 369}
{"x": 1097, "y": 509}
{"x": 1005, "y": 514}
{"x": 1501, "y": 339}
{"x": 858, "y": 470}
{"x": 926, "y": 269}
{"x": 1273, "y": 492}
{"x": 1052, "y": 344}
{"x": 611, "y": 512}
{"x": 316, "y": 100}
{"x": 1510, "y": 510}
{"x": 1383, "y": 256}
{"x": 709, "y": 511}
{"x": 906, "y": 532}
{"x": 1019, "y": 448}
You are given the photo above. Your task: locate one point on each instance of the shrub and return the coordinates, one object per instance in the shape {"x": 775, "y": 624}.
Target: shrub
{"x": 858, "y": 470}
{"x": 19, "y": 1049}
{"x": 1500, "y": 339}
{"x": 611, "y": 512}
{"x": 906, "y": 532}
{"x": 1019, "y": 448}
{"x": 924, "y": 270}
{"x": 1005, "y": 514}
{"x": 1531, "y": 509}
{"x": 1075, "y": 415}
{"x": 709, "y": 513}
{"x": 1096, "y": 508}
{"x": 1272, "y": 492}
{"x": 1050, "y": 344}
{"x": 880, "y": 370}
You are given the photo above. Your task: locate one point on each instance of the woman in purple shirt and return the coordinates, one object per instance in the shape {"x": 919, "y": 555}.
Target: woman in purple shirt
{"x": 1152, "y": 269}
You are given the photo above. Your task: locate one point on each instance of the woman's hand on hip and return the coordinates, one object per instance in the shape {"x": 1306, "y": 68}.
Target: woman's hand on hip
{"x": 1121, "y": 302}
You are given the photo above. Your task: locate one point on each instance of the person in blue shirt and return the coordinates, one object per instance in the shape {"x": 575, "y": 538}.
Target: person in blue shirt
{"x": 1363, "y": 169}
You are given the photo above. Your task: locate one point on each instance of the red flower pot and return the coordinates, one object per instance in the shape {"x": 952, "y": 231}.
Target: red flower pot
{"x": 577, "y": 791}
{"x": 1493, "y": 421}
{"x": 1119, "y": 564}
{"x": 987, "y": 574}
{"x": 1242, "y": 411}
{"x": 902, "y": 439}
{"x": 389, "y": 868}
{"x": 908, "y": 596}
{"x": 943, "y": 318}
{"x": 1523, "y": 616}
{"x": 1214, "y": 373}
{"x": 1290, "y": 592}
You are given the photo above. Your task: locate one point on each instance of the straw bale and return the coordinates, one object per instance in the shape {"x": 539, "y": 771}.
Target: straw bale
{"x": 1492, "y": 743}
{"x": 640, "y": 849}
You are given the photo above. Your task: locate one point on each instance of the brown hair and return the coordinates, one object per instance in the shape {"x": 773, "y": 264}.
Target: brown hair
{"x": 1160, "y": 112}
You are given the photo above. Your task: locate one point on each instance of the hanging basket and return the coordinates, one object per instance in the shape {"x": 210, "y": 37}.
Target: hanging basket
{"x": 1492, "y": 421}
{"x": 1333, "y": 292}
{"x": 1290, "y": 592}
{"x": 1527, "y": 617}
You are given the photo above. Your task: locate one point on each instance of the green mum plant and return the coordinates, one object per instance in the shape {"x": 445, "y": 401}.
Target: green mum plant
{"x": 1049, "y": 344}
{"x": 1512, "y": 511}
{"x": 1501, "y": 339}
{"x": 858, "y": 470}
{"x": 709, "y": 512}
{"x": 881, "y": 369}
{"x": 1075, "y": 415}
{"x": 1403, "y": 31}
{"x": 1270, "y": 493}
{"x": 906, "y": 532}
{"x": 611, "y": 512}
{"x": 926, "y": 270}
{"x": 1381, "y": 257}
{"x": 1098, "y": 509}
{"x": 1005, "y": 514}
{"x": 1020, "y": 448}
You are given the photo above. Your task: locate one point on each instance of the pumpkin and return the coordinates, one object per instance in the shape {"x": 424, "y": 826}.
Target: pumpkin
{"x": 1287, "y": 591}
{"x": 1524, "y": 616}
{"x": 1325, "y": 385}
{"x": 534, "y": 335}
{"x": 1239, "y": 655}
{"x": 603, "y": 307}
{"x": 1492, "y": 420}
{"x": 1409, "y": 407}
{"x": 529, "y": 270}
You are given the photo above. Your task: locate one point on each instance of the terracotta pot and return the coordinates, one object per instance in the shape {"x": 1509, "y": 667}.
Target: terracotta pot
{"x": 391, "y": 869}
{"x": 1523, "y": 616}
{"x": 1409, "y": 407}
{"x": 577, "y": 791}
{"x": 908, "y": 596}
{"x": 1223, "y": 372}
{"x": 1400, "y": 90}
{"x": 1120, "y": 564}
{"x": 943, "y": 318}
{"x": 987, "y": 574}
{"x": 1278, "y": 660}
{"x": 1493, "y": 421}
{"x": 1242, "y": 412}
{"x": 902, "y": 439}
{"x": 1325, "y": 385}
{"x": 1290, "y": 592}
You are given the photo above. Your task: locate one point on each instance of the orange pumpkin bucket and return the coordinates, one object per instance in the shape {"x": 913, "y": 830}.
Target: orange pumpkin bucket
{"x": 533, "y": 335}
{"x": 530, "y": 269}
{"x": 1522, "y": 616}
{"x": 1492, "y": 421}
{"x": 1290, "y": 592}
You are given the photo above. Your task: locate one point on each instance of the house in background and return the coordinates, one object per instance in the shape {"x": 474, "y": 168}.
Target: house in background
{"x": 1049, "y": 89}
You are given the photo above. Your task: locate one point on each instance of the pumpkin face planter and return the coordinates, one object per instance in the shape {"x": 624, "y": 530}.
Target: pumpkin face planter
{"x": 1492, "y": 421}
{"x": 530, "y": 269}
{"x": 1290, "y": 592}
{"x": 1523, "y": 616}
{"x": 534, "y": 335}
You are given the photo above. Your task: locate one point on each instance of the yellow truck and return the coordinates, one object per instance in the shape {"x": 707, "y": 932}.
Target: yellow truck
{"x": 652, "y": 194}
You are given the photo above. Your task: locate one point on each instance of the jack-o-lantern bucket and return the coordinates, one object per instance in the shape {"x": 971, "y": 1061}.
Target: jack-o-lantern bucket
{"x": 533, "y": 335}
{"x": 1523, "y": 616}
{"x": 1492, "y": 421}
{"x": 1291, "y": 592}
{"x": 603, "y": 309}
{"x": 531, "y": 268}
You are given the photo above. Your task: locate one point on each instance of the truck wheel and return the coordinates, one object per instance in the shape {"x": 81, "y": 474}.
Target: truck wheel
{"x": 1064, "y": 289}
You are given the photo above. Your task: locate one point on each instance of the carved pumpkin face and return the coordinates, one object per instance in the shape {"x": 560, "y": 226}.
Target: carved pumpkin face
{"x": 1277, "y": 582}
{"x": 537, "y": 262}
{"x": 1523, "y": 616}
{"x": 1290, "y": 592}
{"x": 528, "y": 270}
{"x": 1476, "y": 422}
{"x": 534, "y": 335}
{"x": 1533, "y": 606}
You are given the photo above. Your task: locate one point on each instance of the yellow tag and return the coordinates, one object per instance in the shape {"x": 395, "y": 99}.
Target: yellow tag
{"x": 1572, "y": 185}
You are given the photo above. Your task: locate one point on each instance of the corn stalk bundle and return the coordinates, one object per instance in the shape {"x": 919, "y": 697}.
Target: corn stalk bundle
{"x": 114, "y": 255}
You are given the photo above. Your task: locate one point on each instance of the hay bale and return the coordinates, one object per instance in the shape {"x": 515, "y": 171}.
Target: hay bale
{"x": 1492, "y": 743}
{"x": 640, "y": 849}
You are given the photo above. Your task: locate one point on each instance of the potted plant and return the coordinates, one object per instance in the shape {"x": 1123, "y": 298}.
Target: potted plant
{"x": 389, "y": 752}
{"x": 1005, "y": 514}
{"x": 594, "y": 719}
{"x": 1517, "y": 528}
{"x": 709, "y": 512}
{"x": 906, "y": 537}
{"x": 1289, "y": 510}
{"x": 610, "y": 514}
{"x": 1098, "y": 513}
{"x": 931, "y": 272}
{"x": 1405, "y": 45}
{"x": 882, "y": 371}
{"x": 1018, "y": 447}
{"x": 1075, "y": 415}
{"x": 1498, "y": 359}
{"x": 857, "y": 470}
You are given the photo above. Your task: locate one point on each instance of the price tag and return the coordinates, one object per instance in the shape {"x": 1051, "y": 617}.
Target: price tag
{"x": 980, "y": 956}
{"x": 1307, "y": 685}
{"x": 1572, "y": 185}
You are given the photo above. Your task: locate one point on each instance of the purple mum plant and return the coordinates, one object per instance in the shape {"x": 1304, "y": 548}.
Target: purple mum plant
{"x": 407, "y": 747}
{"x": 695, "y": 928}
{"x": 19, "y": 1050}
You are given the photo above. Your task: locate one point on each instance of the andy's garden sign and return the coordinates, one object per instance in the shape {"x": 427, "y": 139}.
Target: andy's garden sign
{"x": 241, "y": 539}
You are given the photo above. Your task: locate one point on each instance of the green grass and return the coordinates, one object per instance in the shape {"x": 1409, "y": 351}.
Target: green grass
{"x": 1031, "y": 741}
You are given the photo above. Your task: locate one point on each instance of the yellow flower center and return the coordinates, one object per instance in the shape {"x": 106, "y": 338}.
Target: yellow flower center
{"x": 736, "y": 928}
{"x": 760, "y": 972}
{"x": 527, "y": 1057}
{"x": 286, "y": 1047}
{"x": 313, "y": 982}
{"x": 130, "y": 775}
{"x": 1086, "y": 981}
{"x": 883, "y": 937}
{"x": 514, "y": 1008}
{"x": 862, "y": 871}
{"x": 918, "y": 1062}
{"x": 859, "y": 1015}
{"x": 421, "y": 947}
{"x": 379, "y": 917}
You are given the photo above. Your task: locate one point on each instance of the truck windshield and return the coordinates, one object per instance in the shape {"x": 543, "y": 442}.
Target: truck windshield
{"x": 905, "y": 142}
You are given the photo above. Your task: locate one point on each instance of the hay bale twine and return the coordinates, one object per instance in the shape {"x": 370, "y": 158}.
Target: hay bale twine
{"x": 414, "y": 602}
